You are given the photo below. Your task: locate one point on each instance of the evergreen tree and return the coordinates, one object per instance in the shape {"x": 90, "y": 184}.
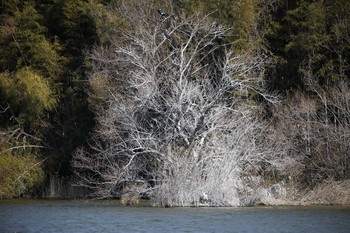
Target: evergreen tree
{"x": 73, "y": 23}
{"x": 29, "y": 66}
{"x": 307, "y": 42}
{"x": 29, "y": 72}
{"x": 42, "y": 80}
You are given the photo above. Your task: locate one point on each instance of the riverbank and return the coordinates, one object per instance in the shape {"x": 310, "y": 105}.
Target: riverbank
{"x": 328, "y": 193}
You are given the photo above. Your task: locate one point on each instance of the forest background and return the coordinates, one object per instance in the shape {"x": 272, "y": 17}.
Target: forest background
{"x": 49, "y": 104}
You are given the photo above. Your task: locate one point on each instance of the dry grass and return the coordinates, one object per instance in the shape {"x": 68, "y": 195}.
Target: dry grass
{"x": 329, "y": 193}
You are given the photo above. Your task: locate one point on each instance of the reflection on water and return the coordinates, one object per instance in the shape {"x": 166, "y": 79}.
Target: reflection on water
{"x": 73, "y": 216}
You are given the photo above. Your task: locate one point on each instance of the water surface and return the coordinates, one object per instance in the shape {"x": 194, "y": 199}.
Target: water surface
{"x": 73, "y": 216}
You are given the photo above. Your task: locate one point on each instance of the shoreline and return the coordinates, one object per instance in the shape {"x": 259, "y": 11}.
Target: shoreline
{"x": 147, "y": 203}
{"x": 329, "y": 193}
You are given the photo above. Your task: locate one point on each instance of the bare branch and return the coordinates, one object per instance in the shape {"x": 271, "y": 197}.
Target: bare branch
{"x": 175, "y": 120}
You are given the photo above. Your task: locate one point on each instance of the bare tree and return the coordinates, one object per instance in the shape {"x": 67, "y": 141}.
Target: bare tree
{"x": 176, "y": 119}
{"x": 332, "y": 149}
{"x": 317, "y": 126}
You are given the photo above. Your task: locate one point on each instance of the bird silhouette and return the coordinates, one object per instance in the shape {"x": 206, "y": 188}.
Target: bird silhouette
{"x": 162, "y": 13}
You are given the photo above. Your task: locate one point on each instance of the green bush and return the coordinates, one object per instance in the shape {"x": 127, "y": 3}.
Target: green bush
{"x": 19, "y": 174}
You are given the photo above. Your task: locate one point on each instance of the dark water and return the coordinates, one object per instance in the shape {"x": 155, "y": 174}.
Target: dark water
{"x": 73, "y": 216}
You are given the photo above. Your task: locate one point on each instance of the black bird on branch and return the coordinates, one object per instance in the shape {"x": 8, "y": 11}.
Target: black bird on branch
{"x": 162, "y": 13}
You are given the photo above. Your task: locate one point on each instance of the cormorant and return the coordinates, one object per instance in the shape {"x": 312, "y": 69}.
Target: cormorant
{"x": 162, "y": 13}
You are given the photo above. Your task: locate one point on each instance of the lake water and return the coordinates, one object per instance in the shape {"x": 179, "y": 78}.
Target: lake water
{"x": 73, "y": 216}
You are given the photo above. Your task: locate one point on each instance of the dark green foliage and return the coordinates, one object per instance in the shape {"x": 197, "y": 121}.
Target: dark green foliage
{"x": 30, "y": 68}
{"x": 72, "y": 22}
{"x": 42, "y": 67}
{"x": 307, "y": 42}
{"x": 24, "y": 43}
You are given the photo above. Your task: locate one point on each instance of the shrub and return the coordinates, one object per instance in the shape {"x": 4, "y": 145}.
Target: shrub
{"x": 19, "y": 174}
